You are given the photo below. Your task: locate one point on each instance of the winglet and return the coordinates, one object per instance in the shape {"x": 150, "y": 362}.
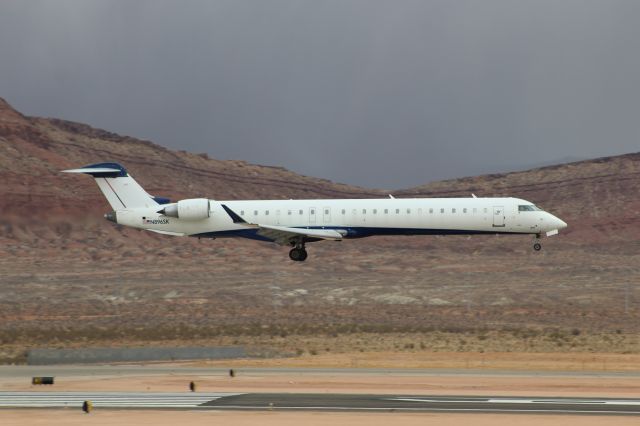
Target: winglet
{"x": 233, "y": 215}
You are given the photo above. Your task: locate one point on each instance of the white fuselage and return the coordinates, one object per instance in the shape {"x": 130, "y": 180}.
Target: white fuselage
{"x": 356, "y": 218}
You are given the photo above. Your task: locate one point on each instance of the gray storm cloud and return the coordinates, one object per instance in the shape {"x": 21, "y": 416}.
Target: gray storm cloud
{"x": 376, "y": 93}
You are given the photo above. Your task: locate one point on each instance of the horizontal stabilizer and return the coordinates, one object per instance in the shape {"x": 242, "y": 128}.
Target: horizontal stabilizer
{"x": 95, "y": 171}
{"x": 110, "y": 170}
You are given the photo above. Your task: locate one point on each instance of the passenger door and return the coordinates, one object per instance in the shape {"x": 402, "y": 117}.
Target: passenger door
{"x": 498, "y": 216}
{"x": 326, "y": 214}
{"x": 312, "y": 215}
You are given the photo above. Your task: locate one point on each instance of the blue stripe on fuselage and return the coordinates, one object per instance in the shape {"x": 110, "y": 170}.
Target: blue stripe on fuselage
{"x": 354, "y": 232}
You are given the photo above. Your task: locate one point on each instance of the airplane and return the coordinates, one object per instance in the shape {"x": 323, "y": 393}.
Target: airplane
{"x": 294, "y": 223}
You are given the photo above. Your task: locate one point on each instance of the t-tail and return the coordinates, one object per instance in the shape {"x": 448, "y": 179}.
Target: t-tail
{"x": 120, "y": 189}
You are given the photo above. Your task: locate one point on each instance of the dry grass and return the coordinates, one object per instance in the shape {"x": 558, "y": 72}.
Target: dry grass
{"x": 513, "y": 361}
{"x": 484, "y": 349}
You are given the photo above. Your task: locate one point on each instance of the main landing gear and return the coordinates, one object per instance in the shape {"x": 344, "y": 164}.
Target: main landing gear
{"x": 298, "y": 253}
{"x": 536, "y": 245}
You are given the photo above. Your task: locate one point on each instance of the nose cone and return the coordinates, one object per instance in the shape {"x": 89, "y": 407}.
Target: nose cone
{"x": 111, "y": 217}
{"x": 551, "y": 223}
{"x": 558, "y": 223}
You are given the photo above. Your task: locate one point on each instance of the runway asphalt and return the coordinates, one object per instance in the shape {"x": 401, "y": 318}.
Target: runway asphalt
{"x": 321, "y": 402}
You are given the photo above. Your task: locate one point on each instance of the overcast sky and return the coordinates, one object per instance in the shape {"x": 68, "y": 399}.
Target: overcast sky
{"x": 385, "y": 94}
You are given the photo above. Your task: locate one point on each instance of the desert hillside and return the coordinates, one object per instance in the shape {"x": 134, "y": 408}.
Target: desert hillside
{"x": 66, "y": 275}
{"x": 599, "y": 193}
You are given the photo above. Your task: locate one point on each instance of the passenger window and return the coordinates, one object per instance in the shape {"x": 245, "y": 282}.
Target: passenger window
{"x": 299, "y": 211}
{"x": 255, "y": 212}
{"x": 485, "y": 209}
{"x": 441, "y": 210}
{"x": 312, "y": 211}
{"x": 343, "y": 211}
{"x": 464, "y": 210}
{"x": 397, "y": 211}
{"x": 408, "y": 211}
{"x": 364, "y": 211}
{"x": 289, "y": 212}
{"x": 431, "y": 211}
{"x": 375, "y": 211}
{"x": 453, "y": 210}
{"x": 241, "y": 212}
{"x": 266, "y": 212}
{"x": 386, "y": 211}
{"x": 326, "y": 211}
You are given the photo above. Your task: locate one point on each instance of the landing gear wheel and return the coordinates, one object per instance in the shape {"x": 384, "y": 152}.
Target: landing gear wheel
{"x": 537, "y": 246}
{"x": 298, "y": 254}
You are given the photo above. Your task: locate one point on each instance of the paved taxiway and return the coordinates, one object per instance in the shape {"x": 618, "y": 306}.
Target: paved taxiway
{"x": 321, "y": 402}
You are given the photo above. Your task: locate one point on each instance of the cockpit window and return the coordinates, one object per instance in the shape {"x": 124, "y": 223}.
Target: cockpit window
{"x": 528, "y": 208}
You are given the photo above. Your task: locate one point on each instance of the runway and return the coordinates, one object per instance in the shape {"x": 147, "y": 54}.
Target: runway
{"x": 321, "y": 402}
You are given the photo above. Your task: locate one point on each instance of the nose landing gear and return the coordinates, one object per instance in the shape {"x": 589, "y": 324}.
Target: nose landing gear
{"x": 536, "y": 245}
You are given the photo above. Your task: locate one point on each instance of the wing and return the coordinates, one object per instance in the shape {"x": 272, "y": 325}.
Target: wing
{"x": 174, "y": 234}
{"x": 285, "y": 235}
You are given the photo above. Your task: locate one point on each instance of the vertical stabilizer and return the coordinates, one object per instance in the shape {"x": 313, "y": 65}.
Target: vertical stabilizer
{"x": 121, "y": 190}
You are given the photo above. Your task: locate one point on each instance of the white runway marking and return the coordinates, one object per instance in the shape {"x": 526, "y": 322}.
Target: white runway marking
{"x": 522, "y": 401}
{"x": 107, "y": 399}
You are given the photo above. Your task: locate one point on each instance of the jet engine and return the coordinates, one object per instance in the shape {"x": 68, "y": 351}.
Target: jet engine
{"x": 192, "y": 209}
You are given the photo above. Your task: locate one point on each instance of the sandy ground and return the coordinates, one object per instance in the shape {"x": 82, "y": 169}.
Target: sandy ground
{"x": 171, "y": 418}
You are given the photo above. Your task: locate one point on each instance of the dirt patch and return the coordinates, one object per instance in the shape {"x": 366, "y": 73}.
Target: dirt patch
{"x": 169, "y": 418}
{"x": 577, "y": 361}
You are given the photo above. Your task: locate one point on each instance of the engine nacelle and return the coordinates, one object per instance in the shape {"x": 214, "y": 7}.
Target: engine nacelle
{"x": 192, "y": 209}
